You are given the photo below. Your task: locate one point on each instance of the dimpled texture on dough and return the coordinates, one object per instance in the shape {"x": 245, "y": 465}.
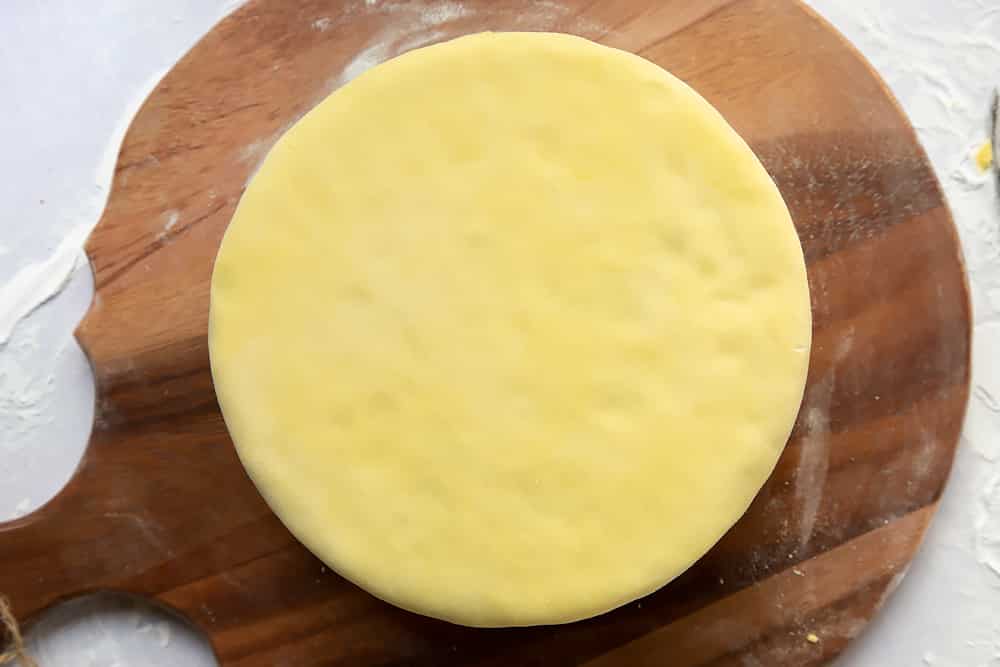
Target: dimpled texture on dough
{"x": 510, "y": 330}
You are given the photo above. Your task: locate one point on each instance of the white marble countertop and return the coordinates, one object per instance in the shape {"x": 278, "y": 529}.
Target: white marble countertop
{"x": 71, "y": 76}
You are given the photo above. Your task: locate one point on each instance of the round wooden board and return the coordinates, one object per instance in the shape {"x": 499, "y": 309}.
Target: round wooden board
{"x": 161, "y": 507}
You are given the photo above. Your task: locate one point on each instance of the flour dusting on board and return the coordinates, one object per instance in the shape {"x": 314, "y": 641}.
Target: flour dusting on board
{"x": 170, "y": 219}
{"x": 810, "y": 476}
{"x": 814, "y": 455}
{"x": 411, "y": 25}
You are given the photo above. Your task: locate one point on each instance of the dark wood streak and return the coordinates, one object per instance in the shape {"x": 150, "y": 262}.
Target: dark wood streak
{"x": 161, "y": 507}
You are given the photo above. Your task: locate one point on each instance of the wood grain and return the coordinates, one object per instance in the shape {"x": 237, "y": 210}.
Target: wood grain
{"x": 161, "y": 507}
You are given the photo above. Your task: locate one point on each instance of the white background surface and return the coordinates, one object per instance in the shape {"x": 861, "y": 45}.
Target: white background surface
{"x": 72, "y": 74}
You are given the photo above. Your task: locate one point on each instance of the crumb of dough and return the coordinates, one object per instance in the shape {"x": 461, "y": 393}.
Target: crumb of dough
{"x": 984, "y": 156}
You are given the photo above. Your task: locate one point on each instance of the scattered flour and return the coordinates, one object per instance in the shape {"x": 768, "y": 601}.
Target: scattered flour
{"x": 415, "y": 24}
{"x": 100, "y": 630}
{"x": 163, "y": 634}
{"x": 20, "y": 509}
{"x": 814, "y": 463}
{"x": 170, "y": 219}
{"x": 39, "y": 282}
{"x": 25, "y": 389}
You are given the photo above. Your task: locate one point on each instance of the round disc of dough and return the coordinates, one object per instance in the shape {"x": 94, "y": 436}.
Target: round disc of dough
{"x": 511, "y": 329}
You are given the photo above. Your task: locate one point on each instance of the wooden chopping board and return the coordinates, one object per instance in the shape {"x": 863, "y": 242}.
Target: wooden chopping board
{"x": 161, "y": 507}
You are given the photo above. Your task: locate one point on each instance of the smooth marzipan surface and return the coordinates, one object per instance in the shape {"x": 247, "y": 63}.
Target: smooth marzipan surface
{"x": 510, "y": 330}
